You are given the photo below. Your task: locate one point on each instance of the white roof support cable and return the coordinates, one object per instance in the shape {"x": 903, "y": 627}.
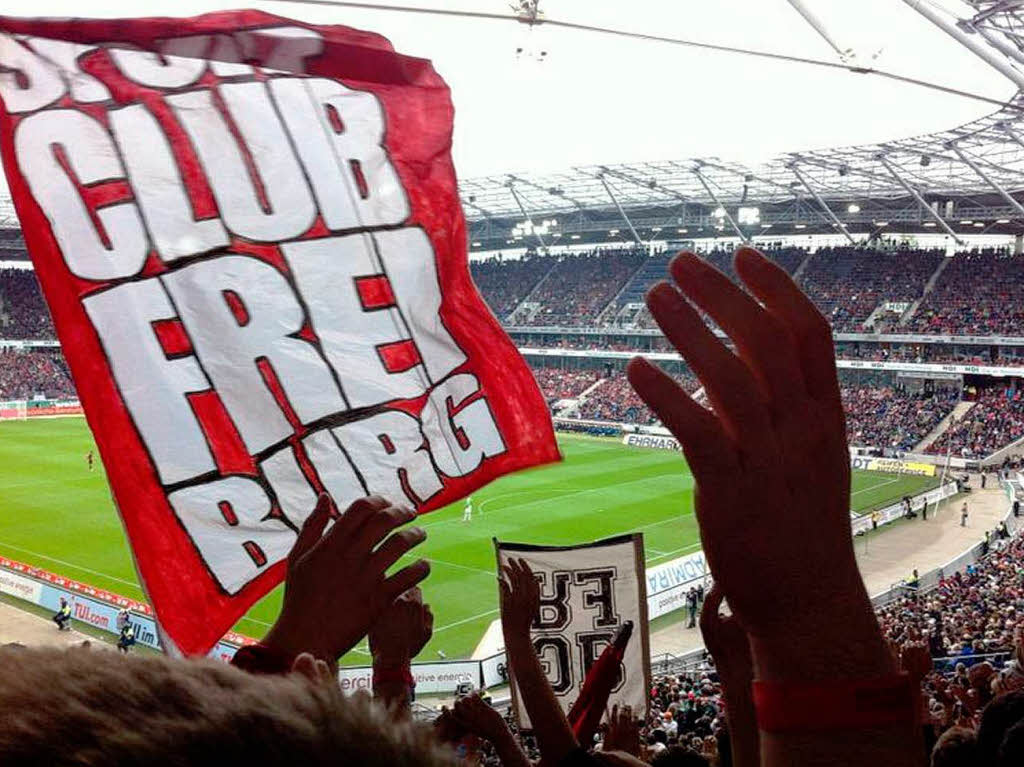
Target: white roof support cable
{"x": 817, "y": 198}
{"x": 725, "y": 212}
{"x": 533, "y": 229}
{"x": 607, "y": 188}
{"x": 970, "y": 42}
{"x": 921, "y": 201}
{"x": 987, "y": 179}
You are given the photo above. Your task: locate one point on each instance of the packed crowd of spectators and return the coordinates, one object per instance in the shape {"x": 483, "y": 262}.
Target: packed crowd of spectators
{"x": 580, "y": 286}
{"x": 23, "y": 313}
{"x": 26, "y": 375}
{"x": 971, "y": 613}
{"x": 978, "y": 293}
{"x": 504, "y": 282}
{"x": 889, "y": 417}
{"x": 995, "y": 421}
{"x": 557, "y": 383}
{"x": 849, "y": 283}
{"x": 614, "y": 400}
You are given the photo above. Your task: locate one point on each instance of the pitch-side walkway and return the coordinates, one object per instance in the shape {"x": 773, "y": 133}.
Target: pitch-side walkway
{"x": 891, "y": 555}
{"x": 30, "y": 629}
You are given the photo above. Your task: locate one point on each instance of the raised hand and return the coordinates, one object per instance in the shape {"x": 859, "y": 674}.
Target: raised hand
{"x": 520, "y": 604}
{"x": 728, "y": 644}
{"x": 771, "y": 464}
{"x": 402, "y": 630}
{"x": 337, "y": 586}
{"x": 916, "y": 660}
{"x": 520, "y": 598}
{"x": 773, "y": 489}
{"x": 622, "y": 732}
{"x": 476, "y": 717}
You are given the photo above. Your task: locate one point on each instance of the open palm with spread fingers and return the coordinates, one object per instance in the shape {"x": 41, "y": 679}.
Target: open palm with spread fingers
{"x": 769, "y": 457}
{"x": 337, "y": 585}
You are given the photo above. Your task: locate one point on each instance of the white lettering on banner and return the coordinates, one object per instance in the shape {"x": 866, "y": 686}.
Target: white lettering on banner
{"x": 459, "y": 426}
{"x": 390, "y": 453}
{"x": 289, "y": 208}
{"x": 588, "y": 593}
{"x": 228, "y": 521}
{"x": 258, "y": 286}
{"x": 230, "y": 348}
{"x": 123, "y": 317}
{"x": 92, "y": 157}
{"x": 159, "y": 188}
{"x": 27, "y": 81}
{"x": 83, "y": 87}
{"x": 328, "y": 273}
{"x": 332, "y": 158}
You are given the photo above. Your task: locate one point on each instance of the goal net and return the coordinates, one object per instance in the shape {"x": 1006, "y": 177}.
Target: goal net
{"x": 14, "y": 410}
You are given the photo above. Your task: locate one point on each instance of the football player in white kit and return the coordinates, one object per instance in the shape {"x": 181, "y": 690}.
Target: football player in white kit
{"x": 467, "y": 513}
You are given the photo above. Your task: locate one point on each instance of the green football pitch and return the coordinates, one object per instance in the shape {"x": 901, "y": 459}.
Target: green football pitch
{"x": 56, "y": 515}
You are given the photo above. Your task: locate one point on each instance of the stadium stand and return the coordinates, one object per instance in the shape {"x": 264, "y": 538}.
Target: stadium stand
{"x": 557, "y": 384}
{"x": 970, "y": 613}
{"x": 995, "y": 422}
{"x": 849, "y": 284}
{"x": 23, "y": 313}
{"x": 978, "y": 293}
{"x": 580, "y": 286}
{"x": 887, "y": 417}
{"x": 615, "y": 400}
{"x": 25, "y": 375}
{"x": 504, "y": 283}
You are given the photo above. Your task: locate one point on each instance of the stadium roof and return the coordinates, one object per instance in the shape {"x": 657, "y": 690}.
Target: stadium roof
{"x": 970, "y": 165}
{"x": 978, "y": 167}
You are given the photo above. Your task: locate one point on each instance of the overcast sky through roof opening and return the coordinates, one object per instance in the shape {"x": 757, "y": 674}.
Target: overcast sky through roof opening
{"x": 601, "y": 99}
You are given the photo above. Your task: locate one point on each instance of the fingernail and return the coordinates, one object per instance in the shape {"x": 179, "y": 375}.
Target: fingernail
{"x": 685, "y": 262}
{"x": 418, "y": 532}
{"x": 661, "y": 293}
{"x": 751, "y": 258}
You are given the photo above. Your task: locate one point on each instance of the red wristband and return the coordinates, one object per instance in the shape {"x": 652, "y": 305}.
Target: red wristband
{"x": 386, "y": 676}
{"x": 842, "y": 705}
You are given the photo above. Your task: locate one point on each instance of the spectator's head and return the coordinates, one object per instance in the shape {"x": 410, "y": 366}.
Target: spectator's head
{"x": 996, "y": 720}
{"x": 101, "y": 708}
{"x": 956, "y": 748}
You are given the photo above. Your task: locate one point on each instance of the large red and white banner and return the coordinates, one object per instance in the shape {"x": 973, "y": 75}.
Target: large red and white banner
{"x": 248, "y": 232}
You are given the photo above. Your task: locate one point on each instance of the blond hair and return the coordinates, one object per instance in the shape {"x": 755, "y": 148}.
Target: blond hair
{"x": 83, "y": 708}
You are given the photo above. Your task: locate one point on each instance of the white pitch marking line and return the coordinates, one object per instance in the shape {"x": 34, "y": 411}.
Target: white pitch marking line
{"x": 675, "y": 551}
{"x": 465, "y": 620}
{"x": 69, "y": 564}
{"x": 875, "y": 487}
{"x": 455, "y": 564}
